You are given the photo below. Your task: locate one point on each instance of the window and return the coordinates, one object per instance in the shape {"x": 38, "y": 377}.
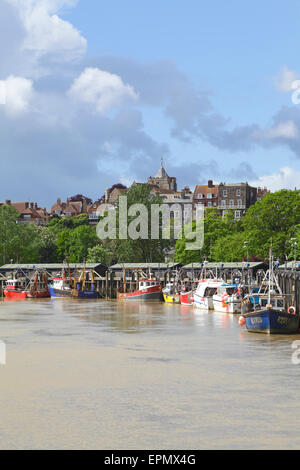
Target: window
{"x": 238, "y": 192}
{"x": 231, "y": 203}
{"x": 223, "y": 203}
{"x": 200, "y": 196}
{"x": 209, "y": 204}
{"x": 237, "y": 214}
{"x": 240, "y": 203}
{"x": 209, "y": 196}
{"x": 224, "y": 192}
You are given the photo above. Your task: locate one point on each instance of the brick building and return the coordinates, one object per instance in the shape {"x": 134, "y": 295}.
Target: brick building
{"x": 29, "y": 212}
{"x": 238, "y": 197}
{"x": 206, "y": 194}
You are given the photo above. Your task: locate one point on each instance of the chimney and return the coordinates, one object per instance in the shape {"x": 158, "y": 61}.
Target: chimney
{"x": 26, "y": 205}
{"x": 31, "y": 205}
{"x": 106, "y": 195}
{"x": 210, "y": 184}
{"x": 35, "y": 205}
{"x": 59, "y": 201}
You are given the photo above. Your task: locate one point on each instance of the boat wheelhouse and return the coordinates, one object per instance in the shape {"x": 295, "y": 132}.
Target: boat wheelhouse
{"x": 60, "y": 287}
{"x": 206, "y": 289}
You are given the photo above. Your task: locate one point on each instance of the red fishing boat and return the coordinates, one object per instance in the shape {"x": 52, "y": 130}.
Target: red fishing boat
{"x": 35, "y": 288}
{"x": 186, "y": 298}
{"x": 15, "y": 288}
{"x": 148, "y": 290}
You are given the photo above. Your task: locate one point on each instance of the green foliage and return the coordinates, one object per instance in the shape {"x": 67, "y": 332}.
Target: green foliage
{"x": 74, "y": 244}
{"x": 276, "y": 219}
{"x": 57, "y": 224}
{"x": 141, "y": 250}
{"x": 100, "y": 253}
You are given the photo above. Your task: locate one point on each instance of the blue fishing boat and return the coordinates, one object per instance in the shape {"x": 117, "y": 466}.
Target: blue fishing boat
{"x": 270, "y": 314}
{"x": 81, "y": 285}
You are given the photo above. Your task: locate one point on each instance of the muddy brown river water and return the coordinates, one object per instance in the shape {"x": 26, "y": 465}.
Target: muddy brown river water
{"x": 103, "y": 375}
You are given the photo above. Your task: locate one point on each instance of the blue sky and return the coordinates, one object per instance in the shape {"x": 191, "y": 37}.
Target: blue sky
{"x": 98, "y": 92}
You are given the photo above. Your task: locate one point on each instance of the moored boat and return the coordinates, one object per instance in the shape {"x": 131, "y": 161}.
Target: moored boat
{"x": 227, "y": 299}
{"x": 271, "y": 314}
{"x": 148, "y": 290}
{"x": 60, "y": 287}
{"x": 186, "y": 297}
{"x": 203, "y": 296}
{"x": 273, "y": 318}
{"x": 77, "y": 286}
{"x": 15, "y": 289}
{"x": 20, "y": 288}
{"x": 170, "y": 295}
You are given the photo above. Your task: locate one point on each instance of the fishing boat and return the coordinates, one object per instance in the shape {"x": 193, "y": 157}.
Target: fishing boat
{"x": 60, "y": 287}
{"x": 206, "y": 289}
{"x": 271, "y": 314}
{"x": 76, "y": 286}
{"x": 186, "y": 297}
{"x": 148, "y": 290}
{"x": 170, "y": 295}
{"x": 24, "y": 288}
{"x": 85, "y": 285}
{"x": 227, "y": 299}
{"x": 15, "y": 288}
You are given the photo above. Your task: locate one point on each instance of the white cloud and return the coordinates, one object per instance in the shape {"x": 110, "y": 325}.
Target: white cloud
{"x": 287, "y": 130}
{"x": 284, "y": 81}
{"x": 283, "y": 130}
{"x": 17, "y": 93}
{"x": 285, "y": 178}
{"x": 46, "y": 32}
{"x": 104, "y": 89}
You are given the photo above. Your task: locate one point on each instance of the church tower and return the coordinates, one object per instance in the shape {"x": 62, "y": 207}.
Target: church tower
{"x": 163, "y": 180}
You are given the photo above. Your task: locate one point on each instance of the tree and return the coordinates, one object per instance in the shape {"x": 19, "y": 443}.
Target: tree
{"x": 100, "y": 254}
{"x": 275, "y": 219}
{"x": 215, "y": 227}
{"x": 80, "y": 240}
{"x": 142, "y": 249}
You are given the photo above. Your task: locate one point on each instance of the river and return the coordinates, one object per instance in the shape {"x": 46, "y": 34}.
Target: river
{"x": 107, "y": 375}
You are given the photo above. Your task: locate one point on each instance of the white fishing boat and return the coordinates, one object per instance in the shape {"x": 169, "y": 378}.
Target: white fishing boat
{"x": 227, "y": 299}
{"x": 206, "y": 289}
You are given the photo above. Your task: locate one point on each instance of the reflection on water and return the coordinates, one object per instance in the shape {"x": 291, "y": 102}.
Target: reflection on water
{"x": 96, "y": 374}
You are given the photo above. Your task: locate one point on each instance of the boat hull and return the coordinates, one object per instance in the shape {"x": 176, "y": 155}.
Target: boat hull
{"x": 73, "y": 293}
{"x": 14, "y": 294}
{"x": 205, "y": 303}
{"x": 230, "y": 307}
{"x": 271, "y": 322}
{"x": 186, "y": 298}
{"x": 87, "y": 294}
{"x": 59, "y": 292}
{"x": 136, "y": 296}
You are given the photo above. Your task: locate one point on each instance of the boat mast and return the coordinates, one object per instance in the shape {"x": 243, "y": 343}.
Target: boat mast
{"x": 270, "y": 275}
